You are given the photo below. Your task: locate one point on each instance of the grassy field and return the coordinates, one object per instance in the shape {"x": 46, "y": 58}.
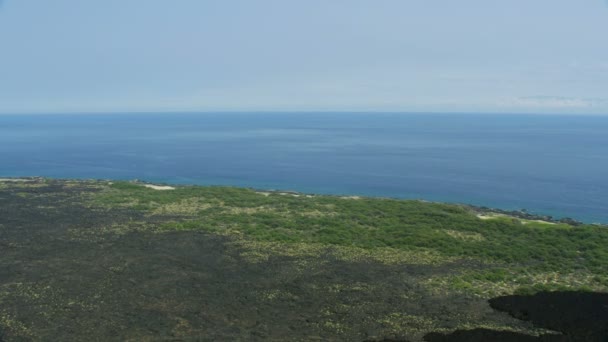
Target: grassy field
{"x": 104, "y": 258}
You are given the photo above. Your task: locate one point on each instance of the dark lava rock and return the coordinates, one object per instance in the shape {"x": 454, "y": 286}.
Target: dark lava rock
{"x": 570, "y": 221}
{"x": 580, "y": 316}
{"x": 480, "y": 335}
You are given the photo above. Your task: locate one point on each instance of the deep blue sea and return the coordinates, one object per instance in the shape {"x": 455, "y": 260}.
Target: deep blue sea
{"x": 555, "y": 165}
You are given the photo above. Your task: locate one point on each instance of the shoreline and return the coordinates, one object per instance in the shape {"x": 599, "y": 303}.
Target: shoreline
{"x": 483, "y": 212}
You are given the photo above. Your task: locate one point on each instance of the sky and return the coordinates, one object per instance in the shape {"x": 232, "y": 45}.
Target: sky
{"x": 541, "y": 56}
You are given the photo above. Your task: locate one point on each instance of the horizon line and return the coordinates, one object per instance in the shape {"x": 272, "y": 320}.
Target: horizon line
{"x": 114, "y": 112}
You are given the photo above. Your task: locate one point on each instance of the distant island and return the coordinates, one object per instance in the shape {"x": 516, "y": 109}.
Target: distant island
{"x": 116, "y": 260}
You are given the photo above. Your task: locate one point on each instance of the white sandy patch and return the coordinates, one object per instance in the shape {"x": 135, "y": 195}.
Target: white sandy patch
{"x": 265, "y": 193}
{"x": 539, "y": 221}
{"x": 288, "y": 194}
{"x": 14, "y": 180}
{"x": 523, "y": 221}
{"x": 159, "y": 187}
{"x": 351, "y": 197}
{"x": 490, "y": 216}
{"x": 294, "y": 195}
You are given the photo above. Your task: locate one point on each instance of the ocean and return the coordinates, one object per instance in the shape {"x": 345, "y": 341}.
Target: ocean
{"x": 548, "y": 164}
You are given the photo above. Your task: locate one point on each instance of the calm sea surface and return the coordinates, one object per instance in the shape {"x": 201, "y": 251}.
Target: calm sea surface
{"x": 555, "y": 165}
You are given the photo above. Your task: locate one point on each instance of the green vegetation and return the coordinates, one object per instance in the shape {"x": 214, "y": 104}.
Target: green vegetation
{"x": 520, "y": 255}
{"x": 449, "y": 230}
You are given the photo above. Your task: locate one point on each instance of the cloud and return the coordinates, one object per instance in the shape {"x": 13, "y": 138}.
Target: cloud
{"x": 555, "y": 102}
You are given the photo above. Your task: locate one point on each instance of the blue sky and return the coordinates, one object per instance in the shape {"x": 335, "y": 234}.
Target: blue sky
{"x": 543, "y": 56}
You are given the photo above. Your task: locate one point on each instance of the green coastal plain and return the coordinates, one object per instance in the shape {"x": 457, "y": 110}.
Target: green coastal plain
{"x": 107, "y": 260}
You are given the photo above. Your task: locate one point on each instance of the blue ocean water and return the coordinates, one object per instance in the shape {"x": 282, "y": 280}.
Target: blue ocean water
{"x": 555, "y": 165}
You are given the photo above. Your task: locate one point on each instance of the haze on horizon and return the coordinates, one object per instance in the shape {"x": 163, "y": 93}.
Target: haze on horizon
{"x": 545, "y": 56}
